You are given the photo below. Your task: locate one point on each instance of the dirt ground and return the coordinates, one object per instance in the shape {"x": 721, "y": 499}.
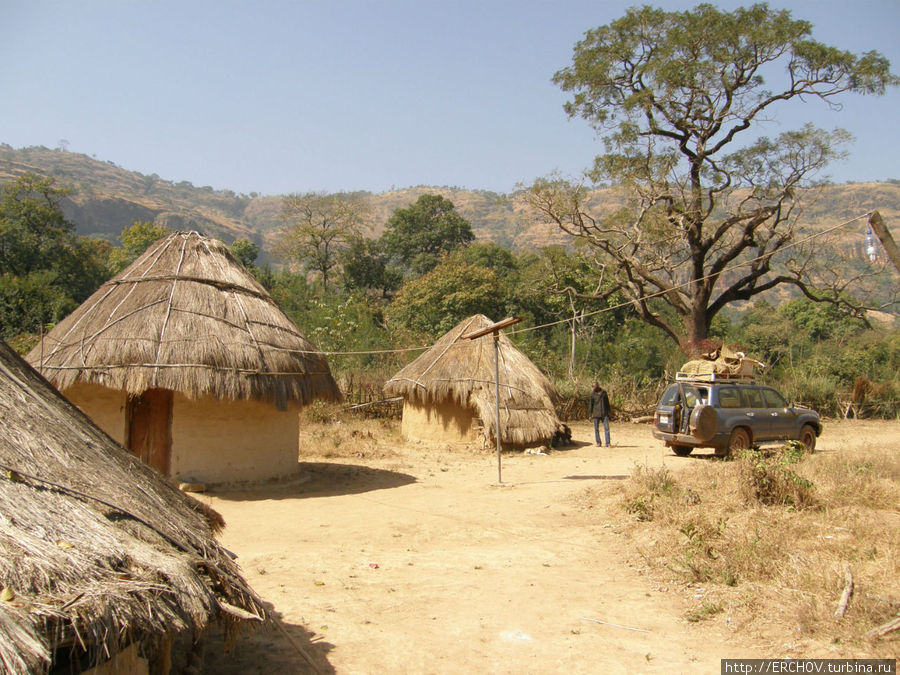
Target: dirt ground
{"x": 416, "y": 560}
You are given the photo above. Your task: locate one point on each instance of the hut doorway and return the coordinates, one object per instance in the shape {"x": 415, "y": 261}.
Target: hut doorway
{"x": 148, "y": 427}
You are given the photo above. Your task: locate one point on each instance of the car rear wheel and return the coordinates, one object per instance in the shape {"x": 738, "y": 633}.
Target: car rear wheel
{"x": 740, "y": 439}
{"x": 808, "y": 438}
{"x": 682, "y": 450}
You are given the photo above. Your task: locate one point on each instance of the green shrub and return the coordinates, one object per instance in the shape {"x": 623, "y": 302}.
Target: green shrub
{"x": 766, "y": 477}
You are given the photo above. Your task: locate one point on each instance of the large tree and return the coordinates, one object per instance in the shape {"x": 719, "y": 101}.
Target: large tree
{"x": 420, "y": 234}
{"x": 681, "y": 100}
{"x": 366, "y": 267}
{"x": 318, "y": 227}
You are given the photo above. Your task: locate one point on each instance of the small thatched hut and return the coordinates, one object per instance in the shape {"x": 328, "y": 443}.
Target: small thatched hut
{"x": 100, "y": 556}
{"x": 449, "y": 392}
{"x": 186, "y": 360}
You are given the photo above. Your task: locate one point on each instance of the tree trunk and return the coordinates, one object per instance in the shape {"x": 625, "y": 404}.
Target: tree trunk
{"x": 696, "y": 325}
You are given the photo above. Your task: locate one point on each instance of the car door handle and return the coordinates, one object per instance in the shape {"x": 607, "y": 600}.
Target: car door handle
{"x": 751, "y": 414}
{"x": 774, "y": 414}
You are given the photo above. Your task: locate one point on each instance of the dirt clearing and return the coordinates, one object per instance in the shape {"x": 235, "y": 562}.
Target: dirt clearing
{"x": 410, "y": 558}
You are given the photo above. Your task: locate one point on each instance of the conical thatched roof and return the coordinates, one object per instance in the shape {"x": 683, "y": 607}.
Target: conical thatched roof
{"x": 186, "y": 316}
{"x": 462, "y": 370}
{"x": 96, "y": 548}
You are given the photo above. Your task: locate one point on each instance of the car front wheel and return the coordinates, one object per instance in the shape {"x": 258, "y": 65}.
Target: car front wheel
{"x": 808, "y": 438}
{"x": 740, "y": 439}
{"x": 682, "y": 450}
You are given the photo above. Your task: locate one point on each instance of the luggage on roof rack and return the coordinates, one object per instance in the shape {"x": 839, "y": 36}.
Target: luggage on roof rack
{"x": 682, "y": 376}
{"x": 720, "y": 364}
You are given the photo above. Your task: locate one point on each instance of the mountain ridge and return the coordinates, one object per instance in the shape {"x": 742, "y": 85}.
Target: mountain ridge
{"x": 106, "y": 198}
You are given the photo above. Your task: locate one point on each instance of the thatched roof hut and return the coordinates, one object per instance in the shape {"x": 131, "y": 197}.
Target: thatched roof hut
{"x": 449, "y": 391}
{"x": 99, "y": 554}
{"x": 186, "y": 360}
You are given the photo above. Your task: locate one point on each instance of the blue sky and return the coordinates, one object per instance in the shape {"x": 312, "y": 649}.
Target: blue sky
{"x": 279, "y": 96}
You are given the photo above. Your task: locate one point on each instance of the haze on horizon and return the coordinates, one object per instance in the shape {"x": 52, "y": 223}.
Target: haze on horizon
{"x": 352, "y": 95}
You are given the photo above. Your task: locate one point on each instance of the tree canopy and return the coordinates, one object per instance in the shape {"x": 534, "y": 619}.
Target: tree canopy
{"x": 435, "y": 302}
{"x": 318, "y": 227}
{"x": 420, "y": 234}
{"x": 682, "y": 100}
{"x": 136, "y": 238}
{"x": 245, "y": 251}
{"x": 45, "y": 268}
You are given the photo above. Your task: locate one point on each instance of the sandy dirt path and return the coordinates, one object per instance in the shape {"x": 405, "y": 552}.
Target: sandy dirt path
{"x": 421, "y": 563}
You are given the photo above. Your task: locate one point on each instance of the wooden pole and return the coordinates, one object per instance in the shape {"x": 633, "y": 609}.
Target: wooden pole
{"x": 497, "y": 398}
{"x": 887, "y": 241}
{"x": 495, "y": 329}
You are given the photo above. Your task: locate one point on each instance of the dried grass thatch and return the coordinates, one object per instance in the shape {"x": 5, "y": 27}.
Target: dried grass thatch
{"x": 186, "y": 316}
{"x": 463, "y": 370}
{"x": 97, "y": 550}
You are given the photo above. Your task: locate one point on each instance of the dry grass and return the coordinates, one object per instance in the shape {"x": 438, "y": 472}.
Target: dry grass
{"x": 330, "y": 431}
{"x": 770, "y": 537}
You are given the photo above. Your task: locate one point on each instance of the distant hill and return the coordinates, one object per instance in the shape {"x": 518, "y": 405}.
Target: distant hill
{"x": 107, "y": 198}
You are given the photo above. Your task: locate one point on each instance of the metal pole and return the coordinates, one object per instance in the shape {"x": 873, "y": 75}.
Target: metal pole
{"x": 497, "y": 398}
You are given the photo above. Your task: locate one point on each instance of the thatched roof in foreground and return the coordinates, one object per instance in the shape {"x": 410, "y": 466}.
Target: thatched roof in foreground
{"x": 463, "y": 371}
{"x": 186, "y": 316}
{"x": 96, "y": 548}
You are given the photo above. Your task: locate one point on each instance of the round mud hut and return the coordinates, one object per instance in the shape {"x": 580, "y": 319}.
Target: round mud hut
{"x": 186, "y": 360}
{"x": 449, "y": 392}
{"x": 105, "y": 566}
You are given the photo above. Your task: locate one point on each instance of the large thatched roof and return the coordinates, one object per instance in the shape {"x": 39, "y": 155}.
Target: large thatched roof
{"x": 463, "y": 370}
{"x": 96, "y": 548}
{"x": 186, "y": 316}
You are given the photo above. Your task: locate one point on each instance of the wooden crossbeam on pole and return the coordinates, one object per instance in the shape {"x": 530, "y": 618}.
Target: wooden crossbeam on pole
{"x": 495, "y": 329}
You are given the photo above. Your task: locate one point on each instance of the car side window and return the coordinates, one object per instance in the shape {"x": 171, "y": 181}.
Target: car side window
{"x": 729, "y": 397}
{"x": 754, "y": 398}
{"x": 774, "y": 399}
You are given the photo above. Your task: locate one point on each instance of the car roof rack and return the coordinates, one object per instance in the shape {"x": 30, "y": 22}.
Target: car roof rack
{"x": 712, "y": 377}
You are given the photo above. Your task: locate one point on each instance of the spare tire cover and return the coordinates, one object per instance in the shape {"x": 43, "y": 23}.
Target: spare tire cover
{"x": 703, "y": 422}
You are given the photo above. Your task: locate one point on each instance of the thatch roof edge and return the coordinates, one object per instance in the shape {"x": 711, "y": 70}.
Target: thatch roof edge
{"x": 186, "y": 316}
{"x": 95, "y": 546}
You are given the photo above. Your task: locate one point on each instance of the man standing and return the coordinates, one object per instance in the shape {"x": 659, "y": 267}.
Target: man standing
{"x": 599, "y": 410}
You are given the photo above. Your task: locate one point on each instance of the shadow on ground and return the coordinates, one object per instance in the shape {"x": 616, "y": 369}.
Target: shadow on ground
{"x": 318, "y": 479}
{"x": 267, "y": 649}
{"x": 571, "y": 445}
